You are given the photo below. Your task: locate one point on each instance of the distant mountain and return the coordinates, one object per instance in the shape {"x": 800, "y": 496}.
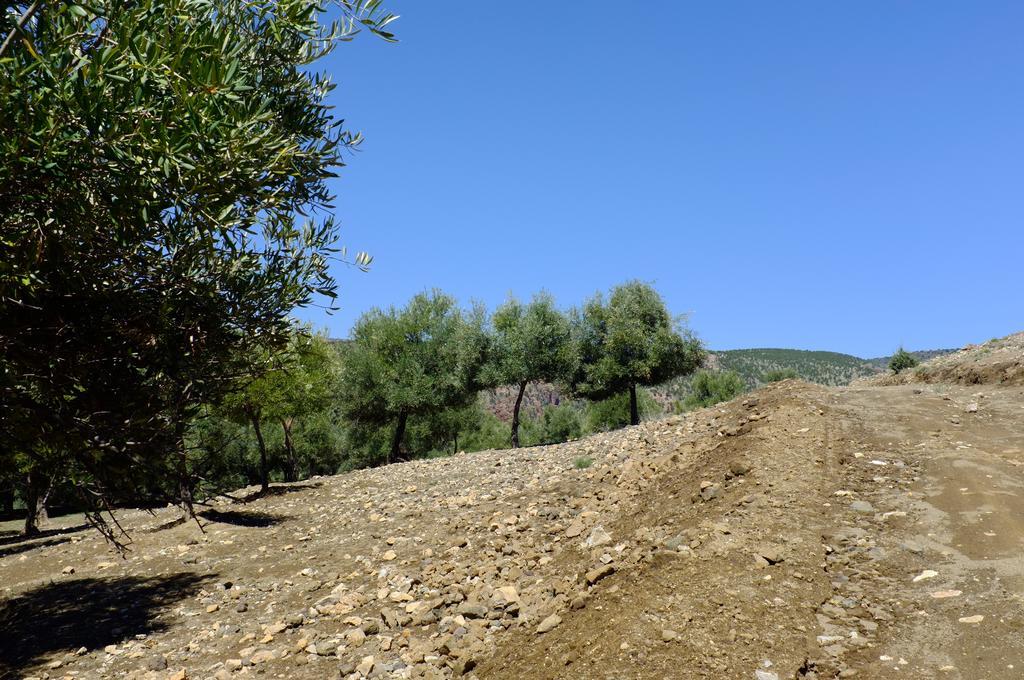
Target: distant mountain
{"x": 826, "y": 368}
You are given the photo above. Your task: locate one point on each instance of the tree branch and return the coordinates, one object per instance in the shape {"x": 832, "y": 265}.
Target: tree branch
{"x": 22, "y": 20}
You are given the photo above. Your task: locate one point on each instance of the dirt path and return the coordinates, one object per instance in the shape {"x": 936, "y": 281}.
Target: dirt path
{"x": 967, "y": 506}
{"x": 792, "y": 533}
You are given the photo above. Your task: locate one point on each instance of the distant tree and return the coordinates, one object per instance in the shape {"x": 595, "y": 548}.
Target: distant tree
{"x": 445, "y": 432}
{"x": 532, "y": 343}
{"x": 779, "y": 374}
{"x": 630, "y": 341}
{"x": 221, "y": 452}
{"x": 902, "y": 360}
{"x": 154, "y": 157}
{"x": 298, "y": 382}
{"x": 307, "y": 386}
{"x": 613, "y": 413}
{"x": 709, "y": 388}
{"x": 423, "y": 359}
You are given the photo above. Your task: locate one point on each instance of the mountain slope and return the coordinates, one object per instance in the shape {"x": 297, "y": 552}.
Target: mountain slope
{"x": 824, "y": 368}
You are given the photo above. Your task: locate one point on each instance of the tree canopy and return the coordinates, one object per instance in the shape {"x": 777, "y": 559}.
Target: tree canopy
{"x": 154, "y": 156}
{"x": 425, "y": 358}
{"x": 630, "y": 340}
{"x": 531, "y": 343}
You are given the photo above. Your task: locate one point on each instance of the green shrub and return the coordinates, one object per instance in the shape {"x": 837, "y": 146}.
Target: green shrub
{"x": 779, "y": 374}
{"x": 711, "y": 388}
{"x": 902, "y": 360}
{"x": 582, "y": 463}
{"x": 557, "y": 424}
{"x": 613, "y": 413}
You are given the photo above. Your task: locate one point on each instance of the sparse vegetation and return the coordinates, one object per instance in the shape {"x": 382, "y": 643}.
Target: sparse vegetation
{"x": 582, "y": 463}
{"x": 779, "y": 375}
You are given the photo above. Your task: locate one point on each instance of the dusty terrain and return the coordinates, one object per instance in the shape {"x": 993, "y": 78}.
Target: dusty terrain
{"x": 797, "y": 532}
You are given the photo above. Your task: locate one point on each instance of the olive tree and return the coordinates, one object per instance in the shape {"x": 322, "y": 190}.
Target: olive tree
{"x": 531, "y": 343}
{"x": 154, "y": 158}
{"x": 630, "y": 340}
{"x": 298, "y": 383}
{"x": 425, "y": 358}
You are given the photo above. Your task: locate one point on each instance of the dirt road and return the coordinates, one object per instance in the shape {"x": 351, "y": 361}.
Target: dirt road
{"x": 797, "y": 532}
{"x": 966, "y": 522}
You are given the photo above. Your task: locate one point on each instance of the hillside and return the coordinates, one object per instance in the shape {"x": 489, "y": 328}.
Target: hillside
{"x": 799, "y": 531}
{"x": 998, "y": 361}
{"x": 824, "y": 368}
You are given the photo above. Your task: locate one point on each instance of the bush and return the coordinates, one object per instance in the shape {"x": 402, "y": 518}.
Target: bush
{"x": 613, "y": 413}
{"x": 712, "y": 388}
{"x": 560, "y": 424}
{"x": 779, "y": 374}
{"x": 582, "y": 463}
{"x": 902, "y": 360}
{"x": 557, "y": 424}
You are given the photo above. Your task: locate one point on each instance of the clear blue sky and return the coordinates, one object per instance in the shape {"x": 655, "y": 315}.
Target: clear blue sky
{"x": 842, "y": 176}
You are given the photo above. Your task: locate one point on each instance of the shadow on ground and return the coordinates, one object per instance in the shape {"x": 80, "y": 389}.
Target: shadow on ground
{"x": 280, "y": 491}
{"x": 90, "y": 613}
{"x": 242, "y": 518}
{"x": 8, "y": 537}
{"x": 30, "y": 544}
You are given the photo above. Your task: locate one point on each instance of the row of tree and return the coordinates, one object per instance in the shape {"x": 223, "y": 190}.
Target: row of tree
{"x": 407, "y": 384}
{"x": 432, "y": 357}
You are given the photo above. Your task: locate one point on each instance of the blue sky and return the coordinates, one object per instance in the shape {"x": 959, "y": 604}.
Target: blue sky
{"x": 842, "y": 176}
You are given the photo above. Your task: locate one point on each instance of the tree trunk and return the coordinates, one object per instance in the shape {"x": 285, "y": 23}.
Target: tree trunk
{"x": 455, "y": 444}
{"x": 254, "y": 418}
{"x": 515, "y": 415}
{"x": 184, "y": 480}
{"x": 396, "y": 443}
{"x": 634, "y": 414}
{"x": 291, "y": 472}
{"x": 37, "y": 490}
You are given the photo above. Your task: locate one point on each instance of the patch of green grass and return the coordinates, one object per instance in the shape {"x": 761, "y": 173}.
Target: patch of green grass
{"x": 582, "y": 463}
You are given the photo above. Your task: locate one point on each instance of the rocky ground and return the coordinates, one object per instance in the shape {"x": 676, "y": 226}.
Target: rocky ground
{"x": 797, "y": 532}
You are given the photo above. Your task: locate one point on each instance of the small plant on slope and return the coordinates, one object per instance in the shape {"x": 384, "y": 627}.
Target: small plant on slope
{"x": 902, "y": 360}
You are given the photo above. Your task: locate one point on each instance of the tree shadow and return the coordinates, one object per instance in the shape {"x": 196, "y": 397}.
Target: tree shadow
{"x": 280, "y": 491}
{"x": 18, "y": 537}
{"x": 169, "y": 524}
{"x": 30, "y": 543}
{"x": 89, "y": 612}
{"x": 242, "y": 518}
